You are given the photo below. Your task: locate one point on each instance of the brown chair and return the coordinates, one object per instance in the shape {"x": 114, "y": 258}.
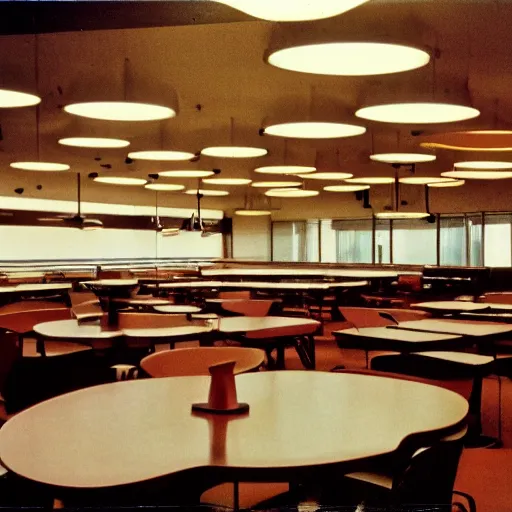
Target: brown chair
{"x": 497, "y": 298}
{"x": 136, "y": 320}
{"x": 197, "y": 360}
{"x": 242, "y": 294}
{"x": 248, "y": 307}
{"x": 29, "y": 305}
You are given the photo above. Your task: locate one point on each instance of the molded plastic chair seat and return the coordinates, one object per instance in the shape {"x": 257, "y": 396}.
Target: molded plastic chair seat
{"x": 135, "y": 320}
{"x": 53, "y": 348}
{"x": 248, "y": 307}
{"x": 242, "y": 294}
{"x": 197, "y": 360}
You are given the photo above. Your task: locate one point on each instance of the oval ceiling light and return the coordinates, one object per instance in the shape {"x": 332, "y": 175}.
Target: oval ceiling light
{"x": 285, "y": 169}
{"x": 346, "y": 188}
{"x": 16, "y": 99}
{"x": 372, "y": 180}
{"x": 424, "y": 180}
{"x": 327, "y": 176}
{"x": 164, "y": 187}
{"x": 417, "y": 113}
{"x": 94, "y": 142}
{"x": 161, "y": 155}
{"x": 483, "y": 165}
{"x": 295, "y": 10}
{"x": 227, "y": 181}
{"x": 252, "y": 213}
{"x": 349, "y": 58}
{"x": 291, "y": 192}
{"x": 120, "y": 111}
{"x": 401, "y": 215}
{"x": 40, "y": 166}
{"x": 478, "y": 140}
{"x": 120, "y": 180}
{"x": 446, "y": 184}
{"x": 275, "y": 184}
{"x": 207, "y": 192}
{"x": 314, "y": 130}
{"x": 478, "y": 175}
{"x": 234, "y": 152}
{"x": 402, "y": 158}
{"x": 186, "y": 173}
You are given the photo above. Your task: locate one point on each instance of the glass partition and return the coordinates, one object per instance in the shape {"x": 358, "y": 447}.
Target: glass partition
{"x": 452, "y": 241}
{"x": 414, "y": 242}
{"x": 497, "y": 240}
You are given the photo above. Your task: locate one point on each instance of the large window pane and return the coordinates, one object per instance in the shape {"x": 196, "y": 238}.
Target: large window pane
{"x": 497, "y": 244}
{"x": 452, "y": 242}
{"x": 328, "y": 234}
{"x": 414, "y": 242}
{"x": 284, "y": 242}
{"x": 312, "y": 241}
{"x": 382, "y": 241}
{"x": 354, "y": 240}
{"x": 474, "y": 233}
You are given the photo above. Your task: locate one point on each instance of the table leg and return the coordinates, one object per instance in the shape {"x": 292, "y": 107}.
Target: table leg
{"x": 280, "y": 364}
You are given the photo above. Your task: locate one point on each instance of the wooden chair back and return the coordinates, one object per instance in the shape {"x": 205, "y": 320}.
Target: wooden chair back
{"x": 242, "y": 294}
{"x": 364, "y": 317}
{"x": 23, "y": 322}
{"x": 248, "y": 307}
{"x": 29, "y": 305}
{"x": 196, "y": 361}
{"x": 497, "y": 298}
{"x": 136, "y": 320}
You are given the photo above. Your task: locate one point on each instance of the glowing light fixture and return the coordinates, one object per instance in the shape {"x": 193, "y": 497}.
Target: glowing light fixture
{"x": 346, "y": 188}
{"x": 402, "y": 158}
{"x": 417, "y": 113}
{"x": 234, "y": 152}
{"x": 40, "y": 166}
{"x": 120, "y": 180}
{"x": 227, "y": 181}
{"x": 207, "y": 192}
{"x": 16, "y": 99}
{"x": 252, "y": 213}
{"x": 94, "y": 142}
{"x": 293, "y": 10}
{"x": 162, "y": 156}
{"x": 483, "y": 165}
{"x": 164, "y": 187}
{"x": 275, "y": 184}
{"x": 478, "y": 175}
{"x": 291, "y": 192}
{"x": 371, "y": 180}
{"x": 186, "y": 173}
{"x": 424, "y": 180}
{"x": 445, "y": 184}
{"x": 401, "y": 215}
{"x": 285, "y": 169}
{"x": 314, "y": 130}
{"x": 327, "y": 176}
{"x": 478, "y": 140}
{"x": 349, "y": 58}
{"x": 120, "y": 111}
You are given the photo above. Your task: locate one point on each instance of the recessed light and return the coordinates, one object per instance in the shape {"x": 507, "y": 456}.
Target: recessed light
{"x": 252, "y": 213}
{"x": 94, "y": 142}
{"x": 418, "y": 113}
{"x": 346, "y": 188}
{"x": 120, "y": 180}
{"x": 314, "y": 130}
{"x": 424, "y": 180}
{"x": 120, "y": 111}
{"x": 327, "y": 176}
{"x": 285, "y": 169}
{"x": 16, "y": 99}
{"x": 401, "y": 215}
{"x": 275, "y": 184}
{"x": 478, "y": 175}
{"x": 40, "y": 166}
{"x": 169, "y": 187}
{"x": 207, "y": 192}
{"x": 402, "y": 158}
{"x": 451, "y": 183}
{"x": 234, "y": 152}
{"x": 162, "y": 156}
{"x": 186, "y": 173}
{"x": 227, "y": 181}
{"x": 291, "y": 192}
{"x": 372, "y": 180}
{"x": 349, "y": 58}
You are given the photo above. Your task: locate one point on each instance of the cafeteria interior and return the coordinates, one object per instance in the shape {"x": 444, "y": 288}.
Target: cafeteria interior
{"x": 256, "y": 255}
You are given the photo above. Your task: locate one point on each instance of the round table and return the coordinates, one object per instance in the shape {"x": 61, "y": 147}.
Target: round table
{"x": 175, "y": 309}
{"x": 448, "y": 307}
{"x": 8, "y": 293}
{"x": 135, "y": 431}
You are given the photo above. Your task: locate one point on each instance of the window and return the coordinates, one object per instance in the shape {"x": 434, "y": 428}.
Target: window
{"x": 353, "y": 240}
{"x": 382, "y": 241}
{"x": 497, "y": 240}
{"x": 475, "y": 239}
{"x": 452, "y": 241}
{"x": 414, "y": 242}
{"x": 313, "y": 240}
{"x": 286, "y": 241}
{"x": 328, "y": 242}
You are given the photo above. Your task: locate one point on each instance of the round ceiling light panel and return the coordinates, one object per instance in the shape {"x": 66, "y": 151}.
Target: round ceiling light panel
{"x": 372, "y": 180}
{"x": 40, "y": 166}
{"x": 186, "y": 173}
{"x": 207, "y": 192}
{"x": 291, "y": 192}
{"x": 479, "y": 140}
{"x": 349, "y": 58}
{"x": 293, "y": 10}
{"x": 94, "y": 142}
{"x": 424, "y": 180}
{"x": 402, "y": 158}
{"x": 16, "y": 99}
{"x": 234, "y": 152}
{"x": 120, "y": 111}
{"x": 446, "y": 184}
{"x": 483, "y": 165}
{"x": 161, "y": 156}
{"x": 477, "y": 175}
{"x": 120, "y": 180}
{"x": 275, "y": 184}
{"x": 285, "y": 169}
{"x": 227, "y": 181}
{"x": 417, "y": 113}
{"x": 164, "y": 187}
{"x": 337, "y": 176}
{"x": 346, "y": 188}
{"x": 314, "y": 130}
{"x": 401, "y": 215}
{"x": 252, "y": 213}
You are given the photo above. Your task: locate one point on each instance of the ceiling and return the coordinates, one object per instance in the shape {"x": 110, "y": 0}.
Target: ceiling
{"x": 209, "y": 58}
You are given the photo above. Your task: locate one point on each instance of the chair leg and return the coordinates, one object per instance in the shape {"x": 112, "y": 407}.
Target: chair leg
{"x": 471, "y": 501}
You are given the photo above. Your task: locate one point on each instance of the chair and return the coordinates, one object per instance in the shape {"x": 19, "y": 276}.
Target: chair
{"x": 197, "y": 360}
{"x": 497, "y": 298}
{"x": 242, "y": 294}
{"x": 248, "y": 307}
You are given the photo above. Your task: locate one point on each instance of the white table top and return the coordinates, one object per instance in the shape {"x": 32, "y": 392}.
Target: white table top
{"x": 260, "y": 285}
{"x": 384, "y": 333}
{"x": 134, "y": 431}
{"x": 167, "y": 332}
{"x": 140, "y": 301}
{"x": 248, "y": 324}
{"x": 450, "y": 305}
{"x": 363, "y": 273}
{"x": 460, "y": 327}
{"x": 36, "y": 287}
{"x": 109, "y": 283}
{"x": 177, "y": 308}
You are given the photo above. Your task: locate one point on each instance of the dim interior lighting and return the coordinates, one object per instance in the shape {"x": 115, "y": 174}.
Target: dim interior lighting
{"x": 285, "y": 169}
{"x": 402, "y": 158}
{"x": 40, "y": 166}
{"x": 372, "y": 180}
{"x": 424, "y": 180}
{"x": 417, "y": 113}
{"x": 120, "y": 180}
{"x": 478, "y": 175}
{"x": 349, "y": 58}
{"x": 346, "y": 188}
{"x": 475, "y": 140}
{"x": 291, "y": 192}
{"x": 16, "y": 99}
{"x": 252, "y": 213}
{"x": 234, "y": 152}
{"x": 186, "y": 173}
{"x": 120, "y": 111}
{"x": 446, "y": 184}
{"x": 207, "y": 192}
{"x": 164, "y": 187}
{"x": 227, "y": 181}
{"x": 94, "y": 142}
{"x": 483, "y": 165}
{"x": 275, "y": 184}
{"x": 292, "y": 10}
{"x": 401, "y": 215}
{"x": 162, "y": 156}
{"x": 327, "y": 176}
{"x": 314, "y": 130}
